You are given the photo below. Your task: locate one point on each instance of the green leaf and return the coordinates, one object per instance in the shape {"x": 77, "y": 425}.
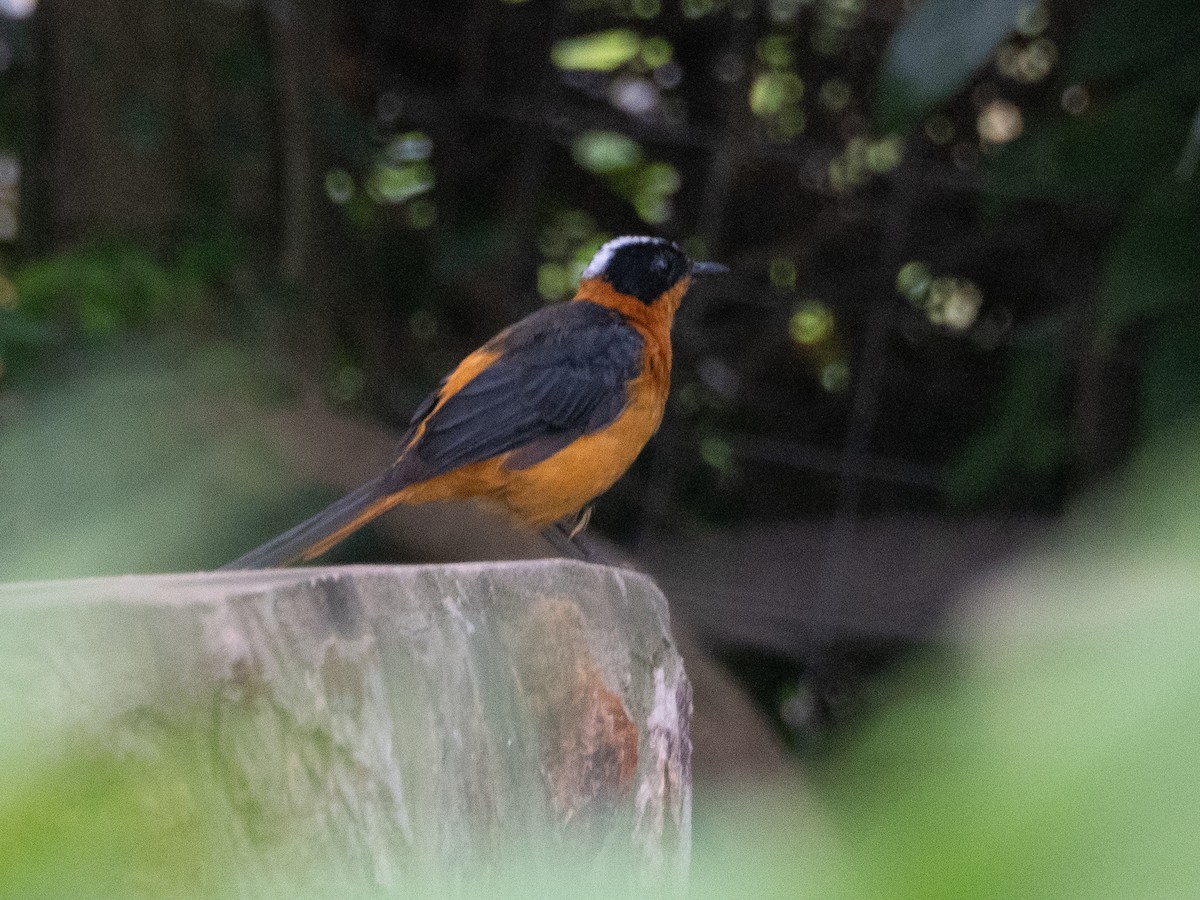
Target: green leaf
{"x": 1025, "y": 441}
{"x": 1154, "y": 263}
{"x": 1129, "y": 37}
{"x": 396, "y": 184}
{"x": 1112, "y": 152}
{"x": 602, "y": 51}
{"x": 1170, "y": 388}
{"x": 934, "y": 53}
{"x": 604, "y": 152}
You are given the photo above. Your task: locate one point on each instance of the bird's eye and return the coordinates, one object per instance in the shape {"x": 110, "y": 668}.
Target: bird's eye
{"x": 659, "y": 263}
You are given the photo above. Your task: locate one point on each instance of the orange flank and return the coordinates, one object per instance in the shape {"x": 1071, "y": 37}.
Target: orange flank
{"x": 562, "y": 484}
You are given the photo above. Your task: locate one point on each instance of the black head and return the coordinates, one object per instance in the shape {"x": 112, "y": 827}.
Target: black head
{"x": 642, "y": 267}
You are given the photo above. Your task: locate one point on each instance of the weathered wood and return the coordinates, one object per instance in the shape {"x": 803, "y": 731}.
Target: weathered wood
{"x": 369, "y": 724}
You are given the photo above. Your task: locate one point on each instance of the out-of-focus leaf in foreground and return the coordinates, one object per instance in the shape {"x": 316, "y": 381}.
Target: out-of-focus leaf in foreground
{"x": 1055, "y": 756}
{"x": 133, "y": 467}
{"x": 93, "y": 824}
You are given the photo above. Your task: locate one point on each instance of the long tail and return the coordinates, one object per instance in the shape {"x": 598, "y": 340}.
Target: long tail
{"x": 314, "y": 536}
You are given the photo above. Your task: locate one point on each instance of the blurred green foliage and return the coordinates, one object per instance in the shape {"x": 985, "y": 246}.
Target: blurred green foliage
{"x": 95, "y": 824}
{"x": 100, "y": 291}
{"x": 1130, "y": 142}
{"x": 144, "y": 460}
{"x": 1126, "y": 39}
{"x": 602, "y": 51}
{"x": 776, "y": 90}
{"x": 1053, "y": 756}
{"x": 1120, "y": 127}
{"x": 618, "y": 160}
{"x": 1025, "y": 441}
{"x": 567, "y": 243}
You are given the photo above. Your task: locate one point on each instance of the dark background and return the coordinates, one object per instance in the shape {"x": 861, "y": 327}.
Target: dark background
{"x": 965, "y": 246}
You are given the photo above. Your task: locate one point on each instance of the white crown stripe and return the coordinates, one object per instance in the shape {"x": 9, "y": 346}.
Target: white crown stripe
{"x": 605, "y": 254}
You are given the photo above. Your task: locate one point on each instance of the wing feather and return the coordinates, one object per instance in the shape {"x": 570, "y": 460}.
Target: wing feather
{"x": 561, "y": 373}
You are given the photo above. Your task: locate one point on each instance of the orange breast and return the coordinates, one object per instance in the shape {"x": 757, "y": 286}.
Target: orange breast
{"x": 565, "y": 482}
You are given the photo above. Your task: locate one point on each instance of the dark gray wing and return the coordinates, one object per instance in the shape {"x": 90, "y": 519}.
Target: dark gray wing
{"x": 562, "y": 373}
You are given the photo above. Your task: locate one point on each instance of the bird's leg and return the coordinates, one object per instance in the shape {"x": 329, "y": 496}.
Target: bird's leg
{"x": 558, "y": 535}
{"x": 563, "y": 535}
{"x": 582, "y": 522}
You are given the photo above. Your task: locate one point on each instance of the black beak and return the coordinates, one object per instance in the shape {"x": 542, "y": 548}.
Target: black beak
{"x": 709, "y": 268}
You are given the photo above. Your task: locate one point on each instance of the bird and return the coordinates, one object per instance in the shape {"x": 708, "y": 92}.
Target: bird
{"x": 542, "y": 418}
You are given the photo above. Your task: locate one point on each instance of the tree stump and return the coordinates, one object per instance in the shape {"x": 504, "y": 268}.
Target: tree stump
{"x": 366, "y": 724}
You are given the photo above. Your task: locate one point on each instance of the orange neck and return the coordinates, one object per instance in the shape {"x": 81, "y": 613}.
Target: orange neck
{"x": 654, "y": 318}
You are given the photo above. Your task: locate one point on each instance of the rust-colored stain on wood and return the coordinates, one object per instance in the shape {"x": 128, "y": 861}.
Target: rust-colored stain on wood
{"x": 589, "y": 744}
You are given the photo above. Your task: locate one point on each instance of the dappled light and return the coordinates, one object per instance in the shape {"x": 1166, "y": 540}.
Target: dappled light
{"x": 1000, "y": 122}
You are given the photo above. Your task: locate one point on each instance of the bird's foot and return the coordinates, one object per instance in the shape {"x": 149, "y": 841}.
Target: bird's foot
{"x": 581, "y": 523}
{"x": 564, "y": 535}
